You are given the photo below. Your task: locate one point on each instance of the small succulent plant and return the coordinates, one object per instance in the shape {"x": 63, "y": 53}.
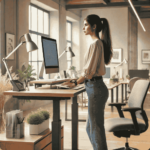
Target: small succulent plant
{"x": 38, "y": 117}
{"x": 46, "y": 114}
{"x": 35, "y": 118}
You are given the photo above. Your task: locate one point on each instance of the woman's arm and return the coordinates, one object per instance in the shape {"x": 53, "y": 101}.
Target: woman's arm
{"x": 81, "y": 79}
{"x": 70, "y": 84}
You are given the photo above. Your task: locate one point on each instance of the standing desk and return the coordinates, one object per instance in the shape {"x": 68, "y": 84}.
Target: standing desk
{"x": 45, "y": 93}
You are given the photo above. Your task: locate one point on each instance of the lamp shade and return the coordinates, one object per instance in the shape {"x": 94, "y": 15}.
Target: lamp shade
{"x": 30, "y": 45}
{"x": 72, "y": 54}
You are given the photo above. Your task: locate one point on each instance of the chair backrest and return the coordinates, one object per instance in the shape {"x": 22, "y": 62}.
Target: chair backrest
{"x": 138, "y": 94}
{"x": 132, "y": 81}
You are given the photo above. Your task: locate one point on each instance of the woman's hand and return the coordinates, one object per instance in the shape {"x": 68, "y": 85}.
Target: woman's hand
{"x": 69, "y": 84}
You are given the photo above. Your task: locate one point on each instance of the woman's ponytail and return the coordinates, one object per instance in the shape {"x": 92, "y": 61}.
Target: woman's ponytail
{"x": 106, "y": 39}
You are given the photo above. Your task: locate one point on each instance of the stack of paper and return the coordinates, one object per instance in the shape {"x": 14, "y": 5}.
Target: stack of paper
{"x": 14, "y": 124}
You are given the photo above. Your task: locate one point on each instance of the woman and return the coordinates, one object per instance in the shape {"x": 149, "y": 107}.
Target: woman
{"x": 99, "y": 54}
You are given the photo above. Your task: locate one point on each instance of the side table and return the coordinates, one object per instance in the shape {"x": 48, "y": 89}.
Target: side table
{"x": 30, "y": 142}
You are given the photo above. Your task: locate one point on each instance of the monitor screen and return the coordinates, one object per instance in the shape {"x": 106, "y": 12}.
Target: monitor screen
{"x": 50, "y": 55}
{"x": 107, "y": 74}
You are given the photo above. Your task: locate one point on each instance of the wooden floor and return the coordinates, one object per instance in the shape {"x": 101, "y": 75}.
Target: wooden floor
{"x": 141, "y": 142}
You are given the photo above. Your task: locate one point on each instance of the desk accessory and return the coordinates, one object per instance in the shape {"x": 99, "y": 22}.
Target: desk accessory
{"x": 38, "y": 121}
{"x": 14, "y": 124}
{"x": 30, "y": 46}
{"x": 124, "y": 61}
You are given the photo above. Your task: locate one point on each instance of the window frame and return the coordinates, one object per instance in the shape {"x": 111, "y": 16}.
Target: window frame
{"x": 38, "y": 33}
{"x": 70, "y": 41}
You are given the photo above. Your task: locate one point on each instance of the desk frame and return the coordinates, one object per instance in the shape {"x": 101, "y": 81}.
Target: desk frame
{"x": 56, "y": 124}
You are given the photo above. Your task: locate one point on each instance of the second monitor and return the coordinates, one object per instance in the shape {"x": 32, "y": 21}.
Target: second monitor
{"x": 50, "y": 54}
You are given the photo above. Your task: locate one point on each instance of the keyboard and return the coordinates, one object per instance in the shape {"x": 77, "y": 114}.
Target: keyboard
{"x": 79, "y": 86}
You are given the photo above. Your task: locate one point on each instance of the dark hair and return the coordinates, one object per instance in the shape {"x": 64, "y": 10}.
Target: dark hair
{"x": 102, "y": 25}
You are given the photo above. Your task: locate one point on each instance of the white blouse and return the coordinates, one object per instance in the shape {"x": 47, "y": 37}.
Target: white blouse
{"x": 94, "y": 64}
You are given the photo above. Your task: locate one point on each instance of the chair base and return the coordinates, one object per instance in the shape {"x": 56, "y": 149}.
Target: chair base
{"x": 126, "y": 147}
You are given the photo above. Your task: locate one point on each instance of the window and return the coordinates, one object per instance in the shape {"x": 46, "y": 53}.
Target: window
{"x": 38, "y": 26}
{"x": 69, "y": 41}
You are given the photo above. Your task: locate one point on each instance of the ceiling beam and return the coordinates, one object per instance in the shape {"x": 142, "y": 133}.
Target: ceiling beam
{"x": 115, "y": 4}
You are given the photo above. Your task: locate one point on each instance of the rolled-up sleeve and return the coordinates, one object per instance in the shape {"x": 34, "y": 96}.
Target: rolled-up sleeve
{"x": 92, "y": 60}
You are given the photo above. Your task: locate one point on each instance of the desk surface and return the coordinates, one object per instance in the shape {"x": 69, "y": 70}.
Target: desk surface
{"x": 49, "y": 81}
{"x": 45, "y": 91}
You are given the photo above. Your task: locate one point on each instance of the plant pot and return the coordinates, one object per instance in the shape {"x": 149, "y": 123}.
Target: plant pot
{"x": 38, "y": 128}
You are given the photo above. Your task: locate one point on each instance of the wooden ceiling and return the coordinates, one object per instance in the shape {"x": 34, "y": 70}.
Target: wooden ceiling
{"x": 142, "y": 6}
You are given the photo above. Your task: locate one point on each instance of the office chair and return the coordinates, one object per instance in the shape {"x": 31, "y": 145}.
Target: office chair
{"x": 132, "y": 81}
{"x": 130, "y": 85}
{"x": 124, "y": 127}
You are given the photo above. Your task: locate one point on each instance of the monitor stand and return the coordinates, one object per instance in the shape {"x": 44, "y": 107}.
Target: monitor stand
{"x": 41, "y": 71}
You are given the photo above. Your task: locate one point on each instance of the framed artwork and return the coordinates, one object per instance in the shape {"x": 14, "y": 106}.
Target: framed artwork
{"x": 145, "y": 56}
{"x": 10, "y": 45}
{"x": 117, "y": 55}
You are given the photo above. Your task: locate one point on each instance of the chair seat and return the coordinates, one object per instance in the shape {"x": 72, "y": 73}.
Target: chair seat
{"x": 117, "y": 124}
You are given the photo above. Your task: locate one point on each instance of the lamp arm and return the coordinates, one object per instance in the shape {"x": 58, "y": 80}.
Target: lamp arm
{"x": 119, "y": 64}
{"x": 4, "y": 60}
{"x": 62, "y": 54}
{"x": 13, "y": 50}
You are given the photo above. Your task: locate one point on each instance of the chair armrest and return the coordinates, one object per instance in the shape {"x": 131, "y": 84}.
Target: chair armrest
{"x": 118, "y": 106}
{"x": 132, "y": 111}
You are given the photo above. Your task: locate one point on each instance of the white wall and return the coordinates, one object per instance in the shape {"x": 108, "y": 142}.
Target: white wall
{"x": 118, "y": 21}
{"x": 143, "y": 41}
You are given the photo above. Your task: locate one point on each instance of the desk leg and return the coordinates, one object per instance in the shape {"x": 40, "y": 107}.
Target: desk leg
{"x": 56, "y": 126}
{"x": 125, "y": 91}
{"x": 117, "y": 94}
{"x": 112, "y": 99}
{"x": 66, "y": 110}
{"x": 74, "y": 123}
{"x": 122, "y": 93}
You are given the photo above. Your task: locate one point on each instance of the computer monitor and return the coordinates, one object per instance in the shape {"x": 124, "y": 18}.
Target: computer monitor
{"x": 107, "y": 74}
{"x": 50, "y": 54}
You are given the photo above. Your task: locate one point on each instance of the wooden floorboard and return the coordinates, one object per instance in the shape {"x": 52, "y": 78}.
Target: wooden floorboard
{"x": 141, "y": 142}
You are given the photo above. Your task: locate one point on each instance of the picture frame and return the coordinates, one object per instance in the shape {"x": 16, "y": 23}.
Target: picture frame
{"x": 117, "y": 55}
{"x": 145, "y": 56}
{"x": 10, "y": 45}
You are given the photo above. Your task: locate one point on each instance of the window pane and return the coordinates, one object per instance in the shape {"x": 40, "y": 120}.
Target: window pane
{"x": 46, "y": 23}
{"x": 30, "y": 58}
{"x": 34, "y": 53}
{"x": 34, "y": 18}
{"x": 40, "y": 52}
{"x": 34, "y": 66}
{"x": 68, "y": 30}
{"x": 40, "y": 21}
{"x": 29, "y": 17}
{"x": 30, "y": 63}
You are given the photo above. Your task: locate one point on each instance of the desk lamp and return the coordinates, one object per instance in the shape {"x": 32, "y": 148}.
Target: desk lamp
{"x": 30, "y": 46}
{"x": 124, "y": 61}
{"x": 66, "y": 50}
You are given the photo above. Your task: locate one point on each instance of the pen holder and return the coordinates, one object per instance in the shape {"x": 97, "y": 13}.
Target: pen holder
{"x": 19, "y": 131}
{"x": 16, "y": 132}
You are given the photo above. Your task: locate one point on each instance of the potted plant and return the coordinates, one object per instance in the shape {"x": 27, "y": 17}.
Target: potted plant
{"x": 38, "y": 121}
{"x": 5, "y": 85}
{"x": 26, "y": 74}
{"x": 128, "y": 77}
